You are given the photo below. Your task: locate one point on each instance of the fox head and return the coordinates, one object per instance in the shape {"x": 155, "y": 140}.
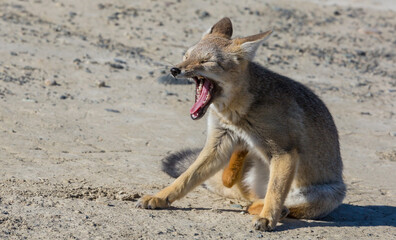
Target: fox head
{"x": 216, "y": 63}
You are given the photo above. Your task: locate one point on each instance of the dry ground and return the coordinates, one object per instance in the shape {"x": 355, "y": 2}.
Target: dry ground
{"x": 74, "y": 157}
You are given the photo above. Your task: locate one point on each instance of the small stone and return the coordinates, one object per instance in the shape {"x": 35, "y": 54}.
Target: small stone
{"x": 116, "y": 66}
{"x": 138, "y": 77}
{"x": 361, "y": 53}
{"x": 166, "y": 93}
{"x": 369, "y": 31}
{"x": 50, "y": 82}
{"x": 63, "y": 97}
{"x": 123, "y": 196}
{"x": 76, "y": 61}
{"x": 203, "y": 14}
{"x": 112, "y": 110}
{"x": 29, "y": 100}
{"x": 117, "y": 60}
{"x": 236, "y": 206}
{"x": 101, "y": 84}
{"x": 136, "y": 195}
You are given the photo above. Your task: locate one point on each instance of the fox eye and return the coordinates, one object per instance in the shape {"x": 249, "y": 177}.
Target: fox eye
{"x": 203, "y": 61}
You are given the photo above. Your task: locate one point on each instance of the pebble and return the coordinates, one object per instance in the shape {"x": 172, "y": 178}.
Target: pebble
{"x": 116, "y": 66}
{"x": 117, "y": 60}
{"x": 369, "y": 31}
{"x": 29, "y": 100}
{"x": 77, "y": 61}
{"x": 101, "y": 84}
{"x": 236, "y": 206}
{"x": 203, "y": 14}
{"x": 123, "y": 196}
{"x": 50, "y": 82}
{"x": 112, "y": 110}
{"x": 166, "y": 93}
{"x": 361, "y": 53}
{"x": 138, "y": 77}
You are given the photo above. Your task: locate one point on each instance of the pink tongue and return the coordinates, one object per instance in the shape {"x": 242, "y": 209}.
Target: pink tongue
{"x": 202, "y": 97}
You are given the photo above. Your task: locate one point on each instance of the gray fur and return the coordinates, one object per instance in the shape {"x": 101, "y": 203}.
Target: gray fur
{"x": 177, "y": 163}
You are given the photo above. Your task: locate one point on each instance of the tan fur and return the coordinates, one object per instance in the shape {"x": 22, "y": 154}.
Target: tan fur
{"x": 270, "y": 122}
{"x": 233, "y": 172}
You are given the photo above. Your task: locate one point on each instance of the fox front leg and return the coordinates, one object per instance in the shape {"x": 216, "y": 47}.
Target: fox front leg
{"x": 282, "y": 168}
{"x": 212, "y": 158}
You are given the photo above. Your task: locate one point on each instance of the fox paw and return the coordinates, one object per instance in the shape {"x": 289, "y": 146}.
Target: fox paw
{"x": 152, "y": 202}
{"x": 263, "y": 224}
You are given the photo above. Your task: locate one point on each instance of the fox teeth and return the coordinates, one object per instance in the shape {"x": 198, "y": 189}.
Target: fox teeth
{"x": 199, "y": 90}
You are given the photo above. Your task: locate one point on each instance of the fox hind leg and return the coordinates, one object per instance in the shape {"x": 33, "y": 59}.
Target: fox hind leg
{"x": 316, "y": 201}
{"x": 232, "y": 173}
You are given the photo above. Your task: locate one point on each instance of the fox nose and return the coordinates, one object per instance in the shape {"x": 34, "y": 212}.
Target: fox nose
{"x": 175, "y": 71}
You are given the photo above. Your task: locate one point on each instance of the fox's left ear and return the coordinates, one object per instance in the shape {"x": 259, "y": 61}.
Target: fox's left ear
{"x": 249, "y": 45}
{"x": 222, "y": 28}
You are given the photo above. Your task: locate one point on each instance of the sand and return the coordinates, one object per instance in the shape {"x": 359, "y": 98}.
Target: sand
{"x": 85, "y": 116}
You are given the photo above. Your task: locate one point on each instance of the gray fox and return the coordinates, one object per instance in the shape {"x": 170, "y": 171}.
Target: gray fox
{"x": 278, "y": 137}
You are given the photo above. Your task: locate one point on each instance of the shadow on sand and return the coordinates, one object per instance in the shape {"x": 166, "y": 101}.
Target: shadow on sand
{"x": 344, "y": 216}
{"x": 348, "y": 215}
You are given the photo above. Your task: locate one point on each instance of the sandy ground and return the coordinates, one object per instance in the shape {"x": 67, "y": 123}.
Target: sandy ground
{"x": 85, "y": 116}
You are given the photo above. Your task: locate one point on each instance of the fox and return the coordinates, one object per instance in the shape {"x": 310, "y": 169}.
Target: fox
{"x": 270, "y": 139}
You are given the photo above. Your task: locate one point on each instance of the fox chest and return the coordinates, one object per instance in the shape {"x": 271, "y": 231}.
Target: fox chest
{"x": 255, "y": 143}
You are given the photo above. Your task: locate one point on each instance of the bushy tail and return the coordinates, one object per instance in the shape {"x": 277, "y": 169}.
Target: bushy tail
{"x": 177, "y": 163}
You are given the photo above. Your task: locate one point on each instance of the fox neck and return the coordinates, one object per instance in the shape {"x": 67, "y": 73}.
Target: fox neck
{"x": 235, "y": 100}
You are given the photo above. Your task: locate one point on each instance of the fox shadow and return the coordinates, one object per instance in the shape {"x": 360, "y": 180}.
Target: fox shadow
{"x": 347, "y": 215}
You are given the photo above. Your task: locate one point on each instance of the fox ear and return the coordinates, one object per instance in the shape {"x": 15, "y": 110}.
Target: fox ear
{"x": 249, "y": 45}
{"x": 222, "y": 28}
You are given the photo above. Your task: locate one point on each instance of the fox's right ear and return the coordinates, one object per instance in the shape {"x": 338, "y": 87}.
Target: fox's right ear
{"x": 249, "y": 45}
{"x": 222, "y": 28}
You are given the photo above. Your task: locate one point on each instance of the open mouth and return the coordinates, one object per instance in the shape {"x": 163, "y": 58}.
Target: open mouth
{"x": 204, "y": 88}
